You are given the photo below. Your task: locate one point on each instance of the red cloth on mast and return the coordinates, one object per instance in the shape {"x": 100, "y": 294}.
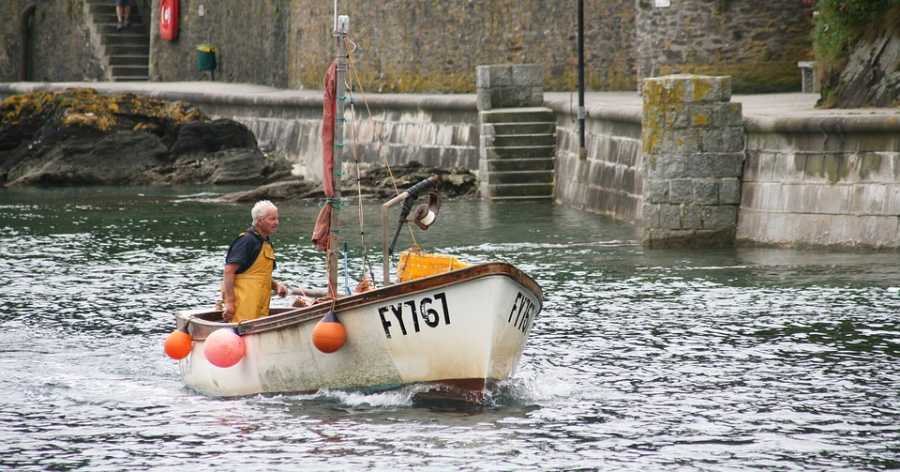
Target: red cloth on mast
{"x": 328, "y": 111}
{"x": 322, "y": 230}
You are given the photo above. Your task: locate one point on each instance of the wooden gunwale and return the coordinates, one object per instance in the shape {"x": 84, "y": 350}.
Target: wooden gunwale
{"x": 200, "y": 327}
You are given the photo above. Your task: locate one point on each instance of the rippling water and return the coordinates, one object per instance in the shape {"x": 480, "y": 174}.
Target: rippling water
{"x": 641, "y": 360}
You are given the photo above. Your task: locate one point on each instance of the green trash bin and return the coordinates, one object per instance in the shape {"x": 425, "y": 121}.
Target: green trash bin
{"x": 206, "y": 57}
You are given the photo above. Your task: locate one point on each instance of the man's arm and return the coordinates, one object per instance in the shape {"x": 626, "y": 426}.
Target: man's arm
{"x": 228, "y": 291}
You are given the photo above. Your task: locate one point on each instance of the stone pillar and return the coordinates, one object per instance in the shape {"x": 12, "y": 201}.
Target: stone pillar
{"x": 692, "y": 140}
{"x": 509, "y": 86}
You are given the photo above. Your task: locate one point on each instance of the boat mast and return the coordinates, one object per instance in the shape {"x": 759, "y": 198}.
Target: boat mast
{"x": 341, "y": 28}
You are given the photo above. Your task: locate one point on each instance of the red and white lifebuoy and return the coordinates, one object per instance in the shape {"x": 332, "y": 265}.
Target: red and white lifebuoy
{"x": 168, "y": 19}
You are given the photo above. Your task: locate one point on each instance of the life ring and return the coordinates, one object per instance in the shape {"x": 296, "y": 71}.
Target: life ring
{"x": 168, "y": 19}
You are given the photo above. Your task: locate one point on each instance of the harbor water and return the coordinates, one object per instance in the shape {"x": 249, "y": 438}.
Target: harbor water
{"x": 714, "y": 360}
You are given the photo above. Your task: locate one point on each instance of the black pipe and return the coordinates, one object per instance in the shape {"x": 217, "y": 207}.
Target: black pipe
{"x": 27, "y": 28}
{"x": 581, "y": 78}
{"x": 412, "y": 193}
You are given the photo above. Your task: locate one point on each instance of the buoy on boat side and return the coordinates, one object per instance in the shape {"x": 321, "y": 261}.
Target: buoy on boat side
{"x": 224, "y": 348}
{"x": 178, "y": 344}
{"x": 329, "y": 335}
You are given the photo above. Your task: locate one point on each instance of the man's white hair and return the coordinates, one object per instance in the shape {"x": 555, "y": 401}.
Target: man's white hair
{"x": 260, "y": 209}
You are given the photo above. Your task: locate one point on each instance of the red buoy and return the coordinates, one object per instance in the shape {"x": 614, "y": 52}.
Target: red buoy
{"x": 168, "y": 19}
{"x": 224, "y": 348}
{"x": 178, "y": 344}
{"x": 329, "y": 334}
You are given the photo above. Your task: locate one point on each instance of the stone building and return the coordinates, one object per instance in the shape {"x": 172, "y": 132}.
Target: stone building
{"x": 413, "y": 45}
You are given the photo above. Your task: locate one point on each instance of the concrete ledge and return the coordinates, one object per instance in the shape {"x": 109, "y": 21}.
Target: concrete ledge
{"x": 249, "y": 95}
{"x": 873, "y": 123}
{"x": 625, "y": 115}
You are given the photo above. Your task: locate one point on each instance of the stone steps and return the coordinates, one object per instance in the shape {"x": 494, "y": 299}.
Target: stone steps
{"x": 126, "y": 51}
{"x": 520, "y": 177}
{"x": 125, "y": 59}
{"x": 518, "y": 148}
{"x": 504, "y": 140}
{"x": 518, "y": 115}
{"x": 519, "y": 152}
{"x": 509, "y": 165}
{"x": 520, "y": 190}
{"x": 506, "y": 129}
{"x": 548, "y": 197}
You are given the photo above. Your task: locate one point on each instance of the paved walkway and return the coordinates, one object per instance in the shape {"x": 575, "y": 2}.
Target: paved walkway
{"x": 761, "y": 107}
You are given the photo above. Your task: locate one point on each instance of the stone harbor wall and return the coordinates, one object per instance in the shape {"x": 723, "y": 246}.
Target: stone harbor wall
{"x": 608, "y": 179}
{"x": 827, "y": 182}
{"x": 441, "y": 132}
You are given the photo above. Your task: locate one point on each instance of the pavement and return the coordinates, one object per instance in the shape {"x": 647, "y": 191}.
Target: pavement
{"x": 763, "y": 110}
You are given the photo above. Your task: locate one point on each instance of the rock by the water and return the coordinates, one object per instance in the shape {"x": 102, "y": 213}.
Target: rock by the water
{"x": 454, "y": 182}
{"x": 375, "y": 183}
{"x": 871, "y": 76}
{"x": 81, "y": 137}
{"x": 275, "y": 191}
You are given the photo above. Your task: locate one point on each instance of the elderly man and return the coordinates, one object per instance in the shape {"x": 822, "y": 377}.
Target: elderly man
{"x": 248, "y": 283}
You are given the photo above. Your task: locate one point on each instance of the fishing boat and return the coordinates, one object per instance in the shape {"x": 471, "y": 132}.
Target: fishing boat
{"x": 452, "y": 327}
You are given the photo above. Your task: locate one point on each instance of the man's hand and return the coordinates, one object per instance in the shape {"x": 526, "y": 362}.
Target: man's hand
{"x": 228, "y": 312}
{"x": 281, "y": 289}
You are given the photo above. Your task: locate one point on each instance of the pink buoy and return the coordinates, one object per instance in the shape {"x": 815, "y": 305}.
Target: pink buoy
{"x": 224, "y": 348}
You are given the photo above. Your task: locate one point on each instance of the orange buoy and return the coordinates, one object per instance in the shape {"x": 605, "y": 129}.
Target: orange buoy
{"x": 329, "y": 334}
{"x": 178, "y": 344}
{"x": 224, "y": 348}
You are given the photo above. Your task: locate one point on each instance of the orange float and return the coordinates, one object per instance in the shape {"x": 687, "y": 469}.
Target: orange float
{"x": 178, "y": 344}
{"x": 329, "y": 335}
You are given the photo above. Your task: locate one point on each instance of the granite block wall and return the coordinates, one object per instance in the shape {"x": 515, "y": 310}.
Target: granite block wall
{"x": 608, "y": 180}
{"x": 400, "y": 129}
{"x": 806, "y": 187}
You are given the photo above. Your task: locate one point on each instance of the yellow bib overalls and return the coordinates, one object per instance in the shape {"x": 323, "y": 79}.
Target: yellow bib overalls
{"x": 253, "y": 287}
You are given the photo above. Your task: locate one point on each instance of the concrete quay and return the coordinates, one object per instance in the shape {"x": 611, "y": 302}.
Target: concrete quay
{"x": 760, "y": 110}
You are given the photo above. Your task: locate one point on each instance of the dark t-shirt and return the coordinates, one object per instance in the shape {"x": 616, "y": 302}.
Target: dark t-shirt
{"x": 245, "y": 249}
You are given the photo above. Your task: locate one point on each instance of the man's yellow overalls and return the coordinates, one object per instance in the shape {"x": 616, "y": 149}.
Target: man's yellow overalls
{"x": 253, "y": 287}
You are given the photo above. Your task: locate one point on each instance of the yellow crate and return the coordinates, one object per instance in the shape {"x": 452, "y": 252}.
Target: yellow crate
{"x": 415, "y": 265}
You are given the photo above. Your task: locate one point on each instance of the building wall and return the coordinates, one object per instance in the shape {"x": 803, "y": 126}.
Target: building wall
{"x": 435, "y": 45}
{"x": 61, "y": 44}
{"x": 250, "y": 37}
{"x": 757, "y": 43}
{"x": 802, "y": 186}
{"x": 11, "y": 39}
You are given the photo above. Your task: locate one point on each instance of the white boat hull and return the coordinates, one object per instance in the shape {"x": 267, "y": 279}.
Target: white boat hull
{"x": 465, "y": 332}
